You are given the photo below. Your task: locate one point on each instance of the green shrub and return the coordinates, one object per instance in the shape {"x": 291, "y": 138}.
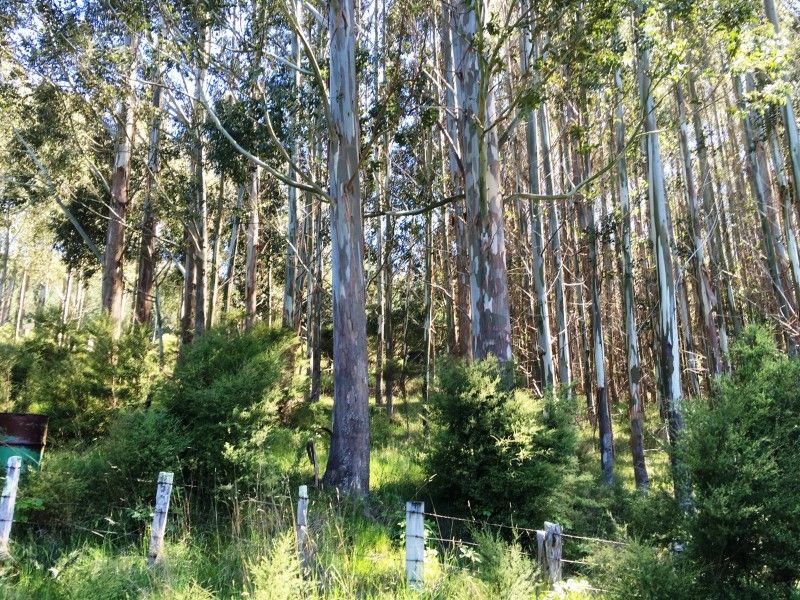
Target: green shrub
{"x": 507, "y": 569}
{"x": 79, "y": 377}
{"x": 639, "y": 571}
{"x": 742, "y": 452}
{"x": 227, "y": 391}
{"x": 496, "y": 450}
{"x": 112, "y": 483}
{"x": 278, "y": 576}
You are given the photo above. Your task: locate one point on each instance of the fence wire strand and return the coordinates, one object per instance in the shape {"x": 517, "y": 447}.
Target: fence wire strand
{"x": 519, "y": 528}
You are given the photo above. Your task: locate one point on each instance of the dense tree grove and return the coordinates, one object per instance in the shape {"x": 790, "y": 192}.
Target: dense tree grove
{"x": 597, "y": 197}
{"x": 172, "y": 129}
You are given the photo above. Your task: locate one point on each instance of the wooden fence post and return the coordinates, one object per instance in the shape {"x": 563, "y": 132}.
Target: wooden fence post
{"x": 303, "y": 541}
{"x": 7, "y": 502}
{"x": 541, "y": 558}
{"x": 552, "y": 548}
{"x": 415, "y": 543}
{"x": 163, "y": 493}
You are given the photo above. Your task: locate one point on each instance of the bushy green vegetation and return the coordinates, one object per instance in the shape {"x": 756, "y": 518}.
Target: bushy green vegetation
{"x": 497, "y": 451}
{"x": 231, "y": 423}
{"x": 742, "y": 537}
{"x": 230, "y": 390}
{"x": 742, "y": 450}
{"x": 77, "y": 375}
{"x": 108, "y": 485}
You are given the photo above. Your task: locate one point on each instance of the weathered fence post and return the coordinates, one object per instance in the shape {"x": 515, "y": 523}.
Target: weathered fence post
{"x": 7, "y": 502}
{"x": 541, "y": 558}
{"x": 303, "y": 542}
{"x": 552, "y": 548}
{"x": 163, "y": 493}
{"x": 415, "y": 543}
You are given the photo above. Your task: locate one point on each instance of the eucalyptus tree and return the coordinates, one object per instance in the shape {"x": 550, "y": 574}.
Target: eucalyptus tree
{"x": 290, "y": 314}
{"x": 787, "y": 111}
{"x": 669, "y": 376}
{"x": 528, "y": 55}
{"x": 451, "y": 53}
{"x": 703, "y": 283}
{"x": 348, "y": 459}
{"x": 754, "y": 135}
{"x": 491, "y": 320}
{"x": 635, "y": 406}
{"x": 147, "y": 248}
{"x": 113, "y": 257}
{"x": 554, "y": 224}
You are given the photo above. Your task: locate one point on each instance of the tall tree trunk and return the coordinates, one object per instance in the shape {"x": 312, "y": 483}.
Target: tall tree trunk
{"x": 147, "y": 249}
{"x": 729, "y": 262}
{"x": 199, "y": 200}
{"x": 290, "y": 315}
{"x": 491, "y": 320}
{"x": 704, "y": 287}
{"x": 758, "y": 184}
{"x": 571, "y": 162}
{"x": 636, "y": 410}
{"x": 189, "y": 275}
{"x": 536, "y": 231}
{"x": 451, "y": 53}
{"x": 716, "y": 274}
{"x": 253, "y": 245}
{"x": 564, "y": 367}
{"x": 316, "y": 302}
{"x": 4, "y": 278}
{"x": 348, "y": 460}
{"x": 213, "y": 287}
{"x": 233, "y": 245}
{"x": 587, "y": 220}
{"x": 8, "y": 297}
{"x": 598, "y": 348}
{"x": 428, "y": 333}
{"x": 380, "y": 151}
{"x": 669, "y": 343}
{"x": 113, "y": 276}
{"x": 389, "y": 323}
{"x": 68, "y": 284}
{"x": 787, "y": 113}
{"x": 23, "y": 287}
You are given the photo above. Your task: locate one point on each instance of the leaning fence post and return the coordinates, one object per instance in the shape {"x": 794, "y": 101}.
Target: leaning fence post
{"x": 415, "y": 543}
{"x": 552, "y": 548}
{"x": 7, "y": 502}
{"x": 303, "y": 547}
{"x": 163, "y": 492}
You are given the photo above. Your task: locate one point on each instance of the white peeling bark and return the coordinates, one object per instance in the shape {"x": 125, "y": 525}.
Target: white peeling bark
{"x": 759, "y": 186}
{"x": 491, "y": 320}
{"x": 668, "y": 341}
{"x": 635, "y": 410}
{"x": 787, "y": 113}
{"x": 451, "y": 54}
{"x": 536, "y": 227}
{"x": 564, "y": 367}
{"x": 348, "y": 460}
{"x": 706, "y": 295}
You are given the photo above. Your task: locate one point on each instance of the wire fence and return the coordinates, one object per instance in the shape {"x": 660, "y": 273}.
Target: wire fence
{"x": 548, "y": 541}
